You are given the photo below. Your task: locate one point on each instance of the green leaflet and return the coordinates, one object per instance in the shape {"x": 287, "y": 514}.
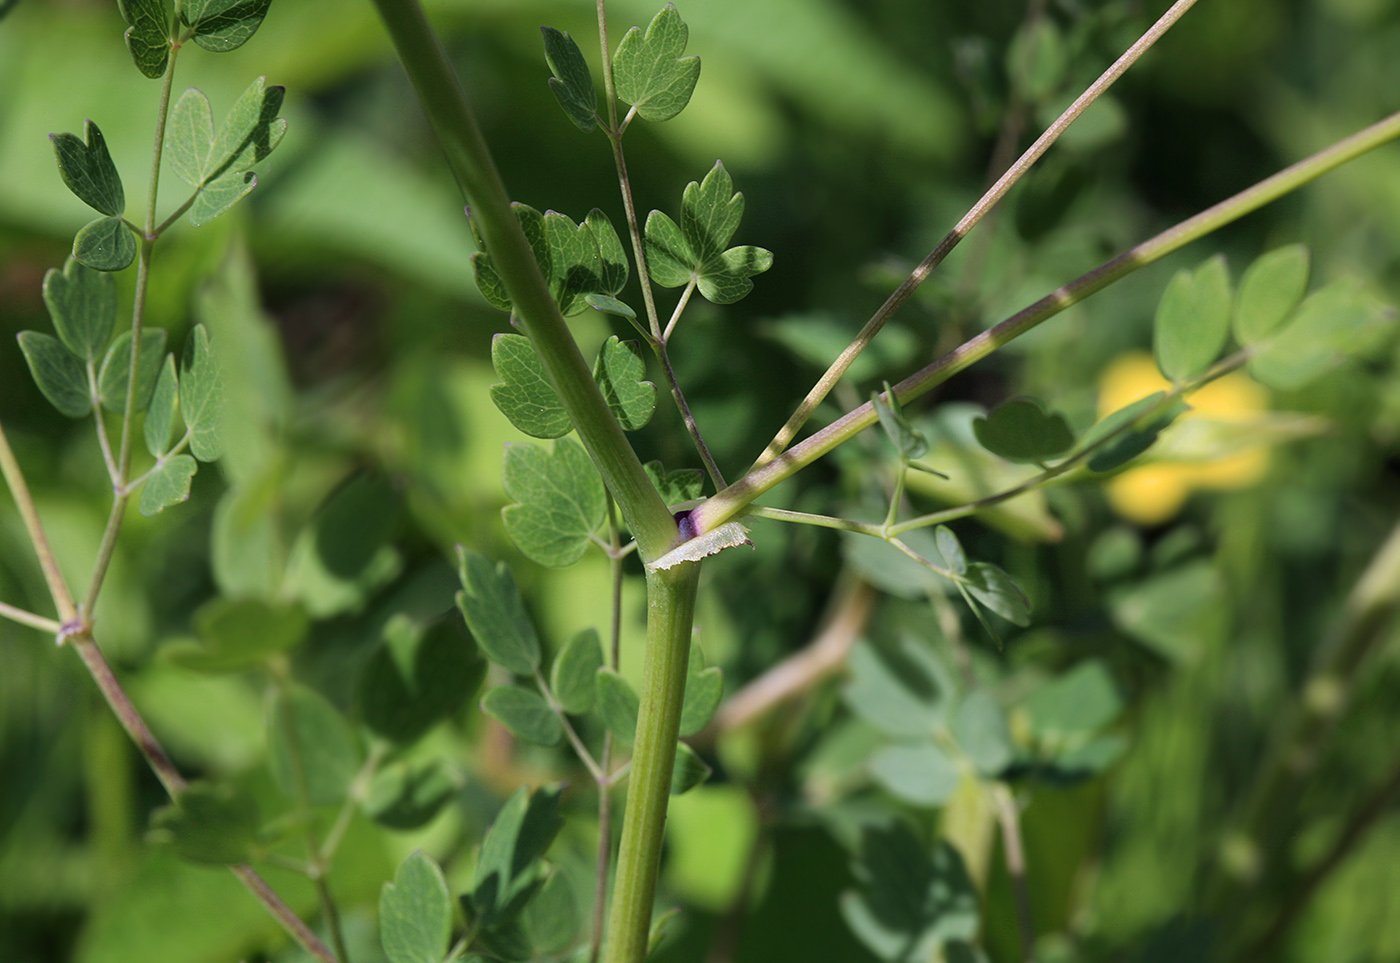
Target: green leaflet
{"x": 572, "y": 82}
{"x": 907, "y": 440}
{"x": 417, "y": 676}
{"x": 675, "y": 487}
{"x": 201, "y": 397}
{"x": 619, "y": 372}
{"x": 61, "y": 377}
{"x": 208, "y": 824}
{"x": 218, "y": 164}
{"x": 160, "y": 414}
{"x": 238, "y": 633}
{"x": 167, "y": 484}
{"x": 579, "y": 261}
{"x": 311, "y": 747}
{"x": 1193, "y": 320}
{"x": 618, "y": 704}
{"x": 1022, "y": 430}
{"x": 148, "y": 37}
{"x": 82, "y": 304}
{"x": 115, "y": 373}
{"x": 87, "y": 168}
{"x": 559, "y": 501}
{"x": 415, "y": 912}
{"x": 574, "y": 670}
{"x": 650, "y": 72}
{"x": 495, "y": 613}
{"x": 508, "y": 872}
{"x": 525, "y": 713}
{"x": 1269, "y": 291}
{"x": 704, "y": 687}
{"x": 105, "y": 244}
{"x": 695, "y": 250}
{"x": 525, "y": 395}
{"x": 223, "y": 25}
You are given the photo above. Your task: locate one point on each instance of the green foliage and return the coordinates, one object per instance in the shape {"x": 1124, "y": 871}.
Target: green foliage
{"x": 223, "y": 25}
{"x": 406, "y": 795}
{"x": 148, "y": 36}
{"x": 495, "y": 613}
{"x": 688, "y": 771}
{"x": 415, "y": 913}
{"x": 105, "y": 244}
{"x": 675, "y": 487}
{"x": 1193, "y": 320}
{"x": 571, "y": 678}
{"x": 167, "y": 484}
{"x": 617, "y": 704}
{"x": 651, "y": 74}
{"x": 1147, "y": 423}
{"x": 695, "y": 251}
{"x": 218, "y": 165}
{"x": 525, "y": 395}
{"x": 509, "y": 871}
{"x": 1329, "y": 327}
{"x": 572, "y": 82}
{"x": 59, "y": 375}
{"x": 115, "y": 374}
{"x": 704, "y": 687}
{"x": 559, "y": 501}
{"x": 1022, "y": 430}
{"x": 87, "y": 168}
{"x": 907, "y": 440}
{"x": 201, "y": 397}
{"x": 909, "y": 902}
{"x": 82, "y": 304}
{"x": 578, "y": 261}
{"x": 619, "y": 372}
{"x": 312, "y": 751}
{"x": 1269, "y": 292}
{"x": 209, "y": 823}
{"x": 417, "y": 676}
{"x": 525, "y": 713}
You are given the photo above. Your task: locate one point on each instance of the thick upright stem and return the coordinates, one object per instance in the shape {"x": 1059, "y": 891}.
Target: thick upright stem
{"x": 670, "y": 613}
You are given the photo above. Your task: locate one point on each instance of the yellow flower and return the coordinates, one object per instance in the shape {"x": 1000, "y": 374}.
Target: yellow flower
{"x": 1204, "y": 448}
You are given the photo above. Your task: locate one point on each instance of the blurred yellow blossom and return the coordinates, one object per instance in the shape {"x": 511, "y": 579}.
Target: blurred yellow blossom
{"x": 1207, "y": 447}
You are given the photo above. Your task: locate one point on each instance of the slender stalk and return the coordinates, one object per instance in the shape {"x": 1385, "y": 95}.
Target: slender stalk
{"x": 670, "y": 613}
{"x": 737, "y": 496}
{"x": 691, "y": 426}
{"x": 29, "y": 514}
{"x": 1009, "y": 817}
{"x": 24, "y": 617}
{"x": 467, "y": 155}
{"x": 978, "y": 211}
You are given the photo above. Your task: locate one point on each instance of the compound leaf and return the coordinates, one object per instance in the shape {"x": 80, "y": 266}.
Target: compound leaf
{"x": 560, "y": 501}
{"x": 250, "y": 132}
{"x": 524, "y": 713}
{"x": 506, "y": 871}
{"x": 650, "y": 72}
{"x": 1022, "y": 430}
{"x": 87, "y": 168}
{"x": 1193, "y": 320}
{"x": 61, "y": 377}
{"x": 115, "y": 373}
{"x": 572, "y": 82}
{"x": 525, "y": 395}
{"x": 223, "y": 25}
{"x": 695, "y": 250}
{"x": 415, "y": 912}
{"x": 148, "y": 36}
{"x": 619, "y": 371}
{"x": 167, "y": 484}
{"x": 495, "y": 613}
{"x": 105, "y": 244}
{"x": 82, "y": 303}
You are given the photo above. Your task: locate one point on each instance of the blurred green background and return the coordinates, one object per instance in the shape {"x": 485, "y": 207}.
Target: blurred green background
{"x": 859, "y": 132}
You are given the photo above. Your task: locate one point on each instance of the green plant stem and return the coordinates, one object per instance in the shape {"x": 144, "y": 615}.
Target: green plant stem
{"x": 970, "y": 220}
{"x": 24, "y": 617}
{"x": 670, "y": 613}
{"x": 467, "y": 155}
{"x": 605, "y": 786}
{"x": 1297, "y": 743}
{"x": 741, "y": 493}
{"x": 34, "y": 527}
{"x": 691, "y": 426}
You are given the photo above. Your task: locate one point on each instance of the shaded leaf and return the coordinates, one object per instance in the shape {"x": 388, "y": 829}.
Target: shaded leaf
{"x": 201, "y": 397}
{"x": 115, "y": 373}
{"x": 688, "y": 770}
{"x": 995, "y": 589}
{"x": 904, "y": 690}
{"x": 951, "y": 549}
{"x": 619, "y": 371}
{"x": 417, "y": 676}
{"x": 1135, "y": 440}
{"x": 148, "y": 36}
{"x": 610, "y": 305}
{"x": 575, "y": 667}
{"x": 675, "y": 487}
{"x": 1193, "y": 320}
{"x": 87, "y": 168}
{"x": 1330, "y": 326}
{"x": 703, "y": 690}
{"x": 312, "y": 751}
{"x": 918, "y": 773}
{"x": 160, "y": 414}
{"x": 61, "y": 378}
{"x": 525, "y": 395}
{"x": 167, "y": 484}
{"x": 208, "y": 824}
{"x": 484, "y": 271}
{"x": 551, "y": 918}
{"x": 1082, "y": 700}
{"x": 406, "y": 795}
{"x": 82, "y": 304}
{"x": 612, "y": 257}
{"x": 907, "y": 440}
{"x": 235, "y": 633}
{"x": 1022, "y": 430}
{"x": 495, "y": 612}
{"x": 560, "y": 501}
{"x": 415, "y": 912}
{"x": 694, "y": 250}
{"x": 979, "y": 726}
{"x": 650, "y": 72}
{"x": 105, "y": 244}
{"x": 572, "y": 82}
{"x": 618, "y": 705}
{"x": 524, "y": 713}
{"x": 223, "y": 25}
{"x": 1269, "y": 291}
{"x": 507, "y": 873}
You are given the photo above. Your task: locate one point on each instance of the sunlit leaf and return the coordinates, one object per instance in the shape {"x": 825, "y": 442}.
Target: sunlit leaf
{"x": 1193, "y": 320}
{"x": 105, "y": 244}
{"x": 572, "y": 82}
{"x": 619, "y": 372}
{"x": 559, "y": 501}
{"x": 82, "y": 304}
{"x": 525, "y": 395}
{"x": 168, "y": 484}
{"x": 148, "y": 36}
{"x": 223, "y": 25}
{"x": 650, "y": 72}
{"x": 87, "y": 169}
{"x": 495, "y": 613}
{"x": 415, "y": 912}
{"x": 525, "y": 713}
